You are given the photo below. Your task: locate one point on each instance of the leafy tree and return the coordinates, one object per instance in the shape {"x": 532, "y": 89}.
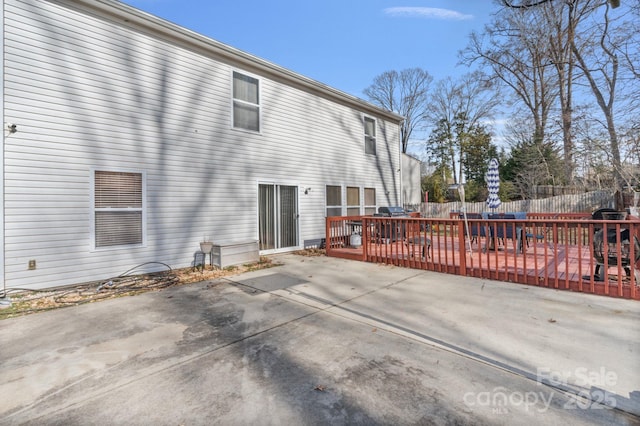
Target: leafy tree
{"x": 471, "y": 144}
{"x": 531, "y": 163}
{"x": 440, "y": 146}
{"x": 475, "y": 191}
{"x": 477, "y": 151}
{"x": 436, "y": 184}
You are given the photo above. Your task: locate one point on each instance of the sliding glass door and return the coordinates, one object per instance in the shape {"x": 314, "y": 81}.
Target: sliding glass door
{"x": 278, "y": 216}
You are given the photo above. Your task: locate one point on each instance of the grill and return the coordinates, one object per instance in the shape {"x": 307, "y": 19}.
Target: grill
{"x": 616, "y": 240}
{"x": 393, "y": 211}
{"x": 386, "y": 230}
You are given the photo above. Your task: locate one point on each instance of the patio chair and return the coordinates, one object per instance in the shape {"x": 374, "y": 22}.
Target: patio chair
{"x": 600, "y": 215}
{"x": 607, "y": 251}
{"x": 508, "y": 231}
{"x": 476, "y": 229}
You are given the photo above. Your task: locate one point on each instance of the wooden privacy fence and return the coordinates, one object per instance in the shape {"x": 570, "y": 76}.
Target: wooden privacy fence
{"x": 542, "y": 249}
{"x": 576, "y": 203}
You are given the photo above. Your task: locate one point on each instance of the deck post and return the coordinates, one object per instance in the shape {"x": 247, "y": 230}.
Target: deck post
{"x": 365, "y": 238}
{"x": 462, "y": 248}
{"x": 327, "y": 237}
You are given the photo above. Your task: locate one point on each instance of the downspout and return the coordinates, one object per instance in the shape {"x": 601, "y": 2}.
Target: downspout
{"x": 4, "y": 300}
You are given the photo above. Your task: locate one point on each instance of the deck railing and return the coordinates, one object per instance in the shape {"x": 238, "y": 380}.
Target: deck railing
{"x": 547, "y": 250}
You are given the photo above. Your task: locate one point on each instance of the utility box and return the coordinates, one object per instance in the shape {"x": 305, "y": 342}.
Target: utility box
{"x": 235, "y": 253}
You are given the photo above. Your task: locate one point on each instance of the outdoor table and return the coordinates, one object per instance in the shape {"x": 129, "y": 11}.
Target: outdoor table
{"x": 502, "y": 233}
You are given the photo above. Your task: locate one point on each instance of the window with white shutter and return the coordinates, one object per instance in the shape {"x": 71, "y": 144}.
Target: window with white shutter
{"x": 118, "y": 202}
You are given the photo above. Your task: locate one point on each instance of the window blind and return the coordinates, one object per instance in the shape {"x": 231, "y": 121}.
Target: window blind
{"x": 118, "y": 208}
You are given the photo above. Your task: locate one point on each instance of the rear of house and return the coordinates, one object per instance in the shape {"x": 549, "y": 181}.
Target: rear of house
{"x": 135, "y": 139}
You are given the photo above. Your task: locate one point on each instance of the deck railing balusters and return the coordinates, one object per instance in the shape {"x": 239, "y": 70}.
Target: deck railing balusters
{"x": 557, "y": 251}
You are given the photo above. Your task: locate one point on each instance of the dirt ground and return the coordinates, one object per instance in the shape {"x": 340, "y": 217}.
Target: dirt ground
{"x": 25, "y": 302}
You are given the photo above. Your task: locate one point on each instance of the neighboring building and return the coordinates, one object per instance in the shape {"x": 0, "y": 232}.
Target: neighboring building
{"x": 136, "y": 138}
{"x": 411, "y": 180}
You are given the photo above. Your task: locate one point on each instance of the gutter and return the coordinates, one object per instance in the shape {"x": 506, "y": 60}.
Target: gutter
{"x": 137, "y": 19}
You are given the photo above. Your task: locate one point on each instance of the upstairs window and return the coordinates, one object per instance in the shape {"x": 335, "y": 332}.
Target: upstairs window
{"x": 246, "y": 102}
{"x": 118, "y": 211}
{"x": 369, "y": 136}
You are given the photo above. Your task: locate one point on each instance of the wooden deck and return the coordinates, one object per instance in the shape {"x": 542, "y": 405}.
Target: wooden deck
{"x": 553, "y": 254}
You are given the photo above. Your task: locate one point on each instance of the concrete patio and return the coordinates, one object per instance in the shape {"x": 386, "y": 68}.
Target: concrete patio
{"x": 327, "y": 341}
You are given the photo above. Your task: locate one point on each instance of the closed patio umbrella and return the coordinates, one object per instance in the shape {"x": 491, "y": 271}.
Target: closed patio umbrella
{"x": 464, "y": 213}
{"x": 493, "y": 184}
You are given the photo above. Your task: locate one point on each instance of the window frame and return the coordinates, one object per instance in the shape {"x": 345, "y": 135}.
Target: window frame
{"x": 348, "y": 205}
{"x": 94, "y": 209}
{"x": 239, "y": 101}
{"x": 370, "y": 209}
{"x": 344, "y": 207}
{"x": 370, "y": 140}
{"x": 328, "y": 206}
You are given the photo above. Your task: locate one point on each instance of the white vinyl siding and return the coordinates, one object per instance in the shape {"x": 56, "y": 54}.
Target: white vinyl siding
{"x": 90, "y": 94}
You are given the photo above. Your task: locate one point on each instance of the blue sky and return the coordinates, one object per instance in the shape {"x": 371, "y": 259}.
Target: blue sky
{"x": 343, "y": 44}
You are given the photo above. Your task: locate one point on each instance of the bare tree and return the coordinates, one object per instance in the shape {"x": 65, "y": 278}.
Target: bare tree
{"x": 596, "y": 50}
{"x": 457, "y": 108}
{"x": 405, "y": 93}
{"x": 510, "y": 48}
{"x": 631, "y": 54}
{"x": 562, "y": 18}
{"x": 597, "y": 158}
{"x": 525, "y": 4}
{"x": 582, "y": 44}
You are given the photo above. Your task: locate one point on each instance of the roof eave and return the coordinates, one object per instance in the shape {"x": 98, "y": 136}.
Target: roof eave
{"x": 133, "y": 16}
